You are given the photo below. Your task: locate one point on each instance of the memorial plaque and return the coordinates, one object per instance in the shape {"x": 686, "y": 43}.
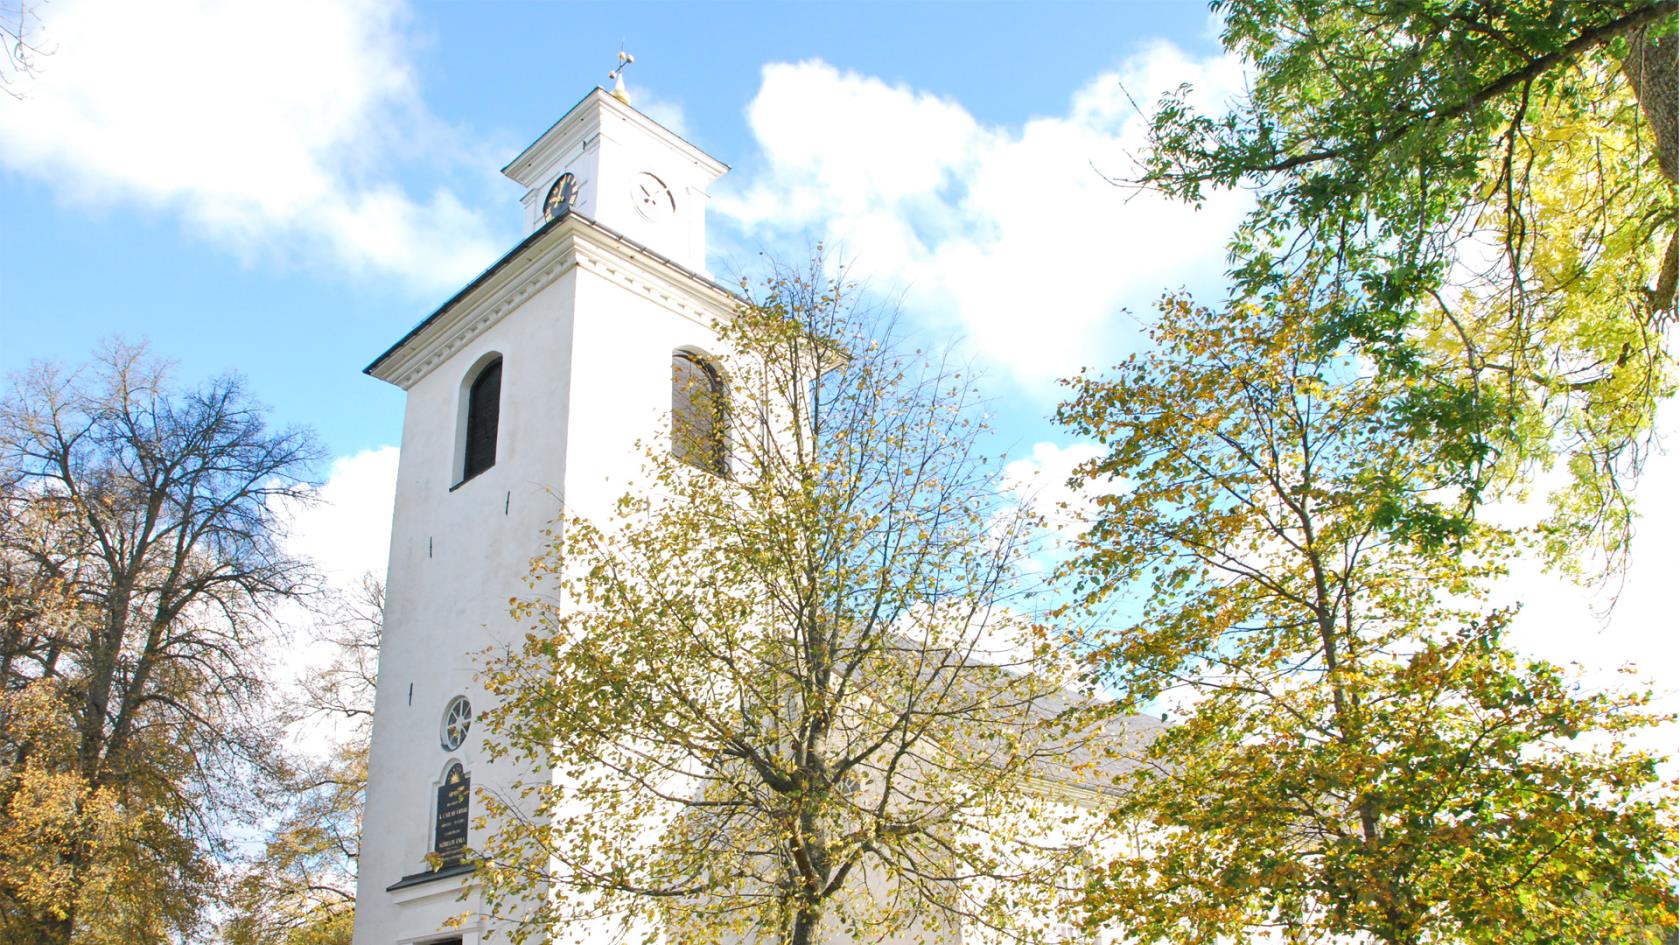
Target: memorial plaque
{"x": 451, "y": 836}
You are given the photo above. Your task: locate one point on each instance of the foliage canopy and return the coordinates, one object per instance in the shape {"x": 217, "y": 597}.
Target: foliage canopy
{"x": 140, "y": 561}
{"x": 1489, "y": 188}
{"x": 804, "y": 697}
{"x": 1361, "y": 755}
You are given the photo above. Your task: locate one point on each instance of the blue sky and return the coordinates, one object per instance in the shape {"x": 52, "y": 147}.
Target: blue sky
{"x": 179, "y": 244}
{"x": 284, "y": 189}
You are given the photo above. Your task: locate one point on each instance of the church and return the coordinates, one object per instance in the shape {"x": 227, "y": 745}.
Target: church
{"x": 527, "y": 392}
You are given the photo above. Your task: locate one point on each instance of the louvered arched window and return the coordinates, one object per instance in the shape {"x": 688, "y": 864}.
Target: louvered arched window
{"x": 483, "y": 411}
{"x": 699, "y": 414}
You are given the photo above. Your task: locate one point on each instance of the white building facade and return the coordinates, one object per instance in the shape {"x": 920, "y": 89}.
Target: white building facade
{"x": 528, "y": 389}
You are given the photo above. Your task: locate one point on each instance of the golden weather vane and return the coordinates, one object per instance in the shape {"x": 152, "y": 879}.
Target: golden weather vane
{"x": 617, "y": 75}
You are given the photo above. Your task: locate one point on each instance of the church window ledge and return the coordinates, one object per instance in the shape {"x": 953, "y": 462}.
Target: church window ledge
{"x": 417, "y": 879}
{"x": 463, "y": 482}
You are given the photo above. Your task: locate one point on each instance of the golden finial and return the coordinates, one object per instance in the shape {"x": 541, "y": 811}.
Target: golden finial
{"x": 617, "y": 75}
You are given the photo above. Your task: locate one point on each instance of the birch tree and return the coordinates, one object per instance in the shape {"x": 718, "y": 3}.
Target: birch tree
{"x": 801, "y": 694}
{"x": 1362, "y": 755}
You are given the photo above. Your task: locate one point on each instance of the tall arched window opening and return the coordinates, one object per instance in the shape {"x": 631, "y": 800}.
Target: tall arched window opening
{"x": 484, "y": 401}
{"x": 699, "y": 414}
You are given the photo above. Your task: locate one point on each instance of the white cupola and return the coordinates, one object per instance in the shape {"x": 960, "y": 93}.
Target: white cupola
{"x": 621, "y": 169}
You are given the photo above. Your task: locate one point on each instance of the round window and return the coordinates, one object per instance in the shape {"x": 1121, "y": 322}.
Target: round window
{"x": 456, "y": 720}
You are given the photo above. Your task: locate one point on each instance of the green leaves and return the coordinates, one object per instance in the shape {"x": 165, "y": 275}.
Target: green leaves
{"x": 1476, "y": 189}
{"x": 760, "y": 690}
{"x": 1360, "y": 755}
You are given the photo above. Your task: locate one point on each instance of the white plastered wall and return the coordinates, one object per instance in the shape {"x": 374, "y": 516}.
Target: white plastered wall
{"x": 459, "y": 551}
{"x": 577, "y": 394}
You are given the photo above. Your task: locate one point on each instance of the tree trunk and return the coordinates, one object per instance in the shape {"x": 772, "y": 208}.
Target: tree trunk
{"x": 811, "y": 859}
{"x": 805, "y": 925}
{"x": 1651, "y": 67}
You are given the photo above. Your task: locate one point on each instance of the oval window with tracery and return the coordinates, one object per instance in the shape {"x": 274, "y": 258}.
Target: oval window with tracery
{"x": 456, "y": 720}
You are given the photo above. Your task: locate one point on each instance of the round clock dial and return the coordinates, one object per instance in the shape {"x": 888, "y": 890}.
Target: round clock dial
{"x": 652, "y": 198}
{"x": 561, "y": 196}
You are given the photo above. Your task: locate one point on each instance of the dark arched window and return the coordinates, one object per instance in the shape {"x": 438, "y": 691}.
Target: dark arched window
{"x": 699, "y": 414}
{"x": 483, "y": 410}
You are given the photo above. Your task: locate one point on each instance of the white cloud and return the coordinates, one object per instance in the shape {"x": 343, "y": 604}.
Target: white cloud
{"x": 669, "y": 114}
{"x": 1622, "y": 636}
{"x": 1040, "y": 483}
{"x": 1565, "y": 623}
{"x": 347, "y": 533}
{"x": 266, "y": 126}
{"x": 1012, "y": 235}
{"x": 1040, "y": 480}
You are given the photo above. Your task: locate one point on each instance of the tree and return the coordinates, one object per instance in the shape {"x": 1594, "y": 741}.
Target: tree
{"x": 1361, "y": 756}
{"x": 139, "y": 535}
{"x": 1492, "y": 186}
{"x": 799, "y": 690}
{"x": 302, "y": 889}
{"x": 19, "y": 28}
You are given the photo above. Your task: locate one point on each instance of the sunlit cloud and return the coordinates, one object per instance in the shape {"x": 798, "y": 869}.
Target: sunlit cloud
{"x": 269, "y": 129}
{"x": 1014, "y": 237}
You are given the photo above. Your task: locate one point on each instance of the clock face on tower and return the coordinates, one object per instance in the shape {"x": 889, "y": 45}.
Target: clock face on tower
{"x": 561, "y": 196}
{"x": 652, "y": 198}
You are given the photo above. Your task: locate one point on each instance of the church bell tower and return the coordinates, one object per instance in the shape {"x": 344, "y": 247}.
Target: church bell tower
{"x": 526, "y": 392}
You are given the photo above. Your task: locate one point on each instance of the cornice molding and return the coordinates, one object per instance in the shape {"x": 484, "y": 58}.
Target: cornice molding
{"x": 474, "y": 313}
{"x": 570, "y": 242}
{"x": 581, "y": 123}
{"x": 615, "y": 261}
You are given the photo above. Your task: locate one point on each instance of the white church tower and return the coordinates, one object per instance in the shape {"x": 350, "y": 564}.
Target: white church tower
{"x": 527, "y": 389}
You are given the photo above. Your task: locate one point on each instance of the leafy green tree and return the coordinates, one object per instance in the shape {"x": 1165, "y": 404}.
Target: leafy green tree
{"x": 1491, "y": 187}
{"x": 793, "y": 684}
{"x": 139, "y": 545}
{"x": 1361, "y": 755}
